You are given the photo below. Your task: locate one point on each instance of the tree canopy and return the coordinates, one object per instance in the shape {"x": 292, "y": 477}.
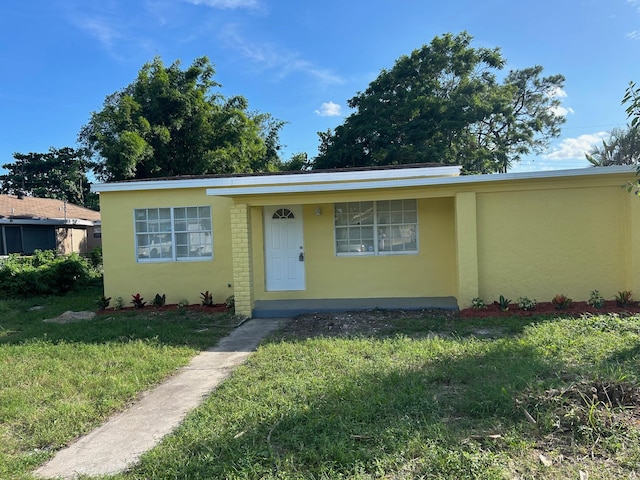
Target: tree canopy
{"x": 632, "y": 100}
{"x": 171, "y": 121}
{"x": 59, "y": 173}
{"x": 621, "y": 148}
{"x": 444, "y": 103}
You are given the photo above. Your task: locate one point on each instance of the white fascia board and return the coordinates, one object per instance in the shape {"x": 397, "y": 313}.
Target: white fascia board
{"x": 336, "y": 181}
{"x": 258, "y": 181}
{"x": 417, "y": 182}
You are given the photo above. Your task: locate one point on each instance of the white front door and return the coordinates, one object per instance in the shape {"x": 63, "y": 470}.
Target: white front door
{"x": 284, "y": 250}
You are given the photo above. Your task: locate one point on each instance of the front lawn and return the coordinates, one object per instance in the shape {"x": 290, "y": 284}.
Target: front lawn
{"x": 357, "y": 396}
{"x": 550, "y": 398}
{"x": 58, "y": 381}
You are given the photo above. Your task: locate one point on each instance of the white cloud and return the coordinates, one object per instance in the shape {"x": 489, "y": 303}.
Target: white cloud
{"x": 557, "y": 92}
{"x": 576, "y": 147}
{"x": 560, "y": 111}
{"x": 634, "y": 35}
{"x": 112, "y": 27}
{"x": 225, "y": 4}
{"x": 272, "y": 58}
{"x": 99, "y": 28}
{"x": 329, "y": 109}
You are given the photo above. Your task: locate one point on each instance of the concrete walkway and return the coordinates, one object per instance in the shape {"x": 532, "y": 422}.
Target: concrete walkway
{"x": 121, "y": 441}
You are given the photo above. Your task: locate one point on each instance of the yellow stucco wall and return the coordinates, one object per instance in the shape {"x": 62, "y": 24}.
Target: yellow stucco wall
{"x": 178, "y": 280}
{"x": 431, "y": 272}
{"x": 526, "y": 237}
{"x": 570, "y": 239}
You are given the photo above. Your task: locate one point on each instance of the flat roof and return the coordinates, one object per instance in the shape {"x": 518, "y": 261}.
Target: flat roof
{"x": 345, "y": 179}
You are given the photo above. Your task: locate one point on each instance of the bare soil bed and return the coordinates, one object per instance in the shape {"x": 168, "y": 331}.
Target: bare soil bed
{"x": 372, "y": 322}
{"x": 366, "y": 322}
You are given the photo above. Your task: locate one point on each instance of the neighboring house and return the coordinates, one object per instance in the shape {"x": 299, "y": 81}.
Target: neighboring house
{"x": 29, "y": 223}
{"x": 412, "y": 236}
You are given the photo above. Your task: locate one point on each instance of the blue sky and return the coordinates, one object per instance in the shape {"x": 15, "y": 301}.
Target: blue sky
{"x": 301, "y": 60}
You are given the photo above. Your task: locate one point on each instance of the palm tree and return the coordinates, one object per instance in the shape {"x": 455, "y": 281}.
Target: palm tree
{"x": 621, "y": 148}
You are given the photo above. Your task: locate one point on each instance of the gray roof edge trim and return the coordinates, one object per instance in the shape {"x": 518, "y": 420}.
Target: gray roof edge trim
{"x": 418, "y": 182}
{"x": 260, "y": 181}
{"x": 348, "y": 180}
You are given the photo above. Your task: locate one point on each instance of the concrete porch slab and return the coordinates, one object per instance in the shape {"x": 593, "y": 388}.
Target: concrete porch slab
{"x": 290, "y": 308}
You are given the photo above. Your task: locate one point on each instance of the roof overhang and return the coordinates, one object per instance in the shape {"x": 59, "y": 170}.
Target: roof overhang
{"x": 349, "y": 181}
{"x": 60, "y": 222}
{"x": 417, "y": 181}
{"x": 302, "y": 180}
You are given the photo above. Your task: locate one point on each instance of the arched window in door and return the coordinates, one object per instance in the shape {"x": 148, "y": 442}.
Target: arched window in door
{"x": 283, "y": 213}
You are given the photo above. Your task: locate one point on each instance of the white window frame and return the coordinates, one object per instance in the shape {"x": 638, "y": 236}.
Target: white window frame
{"x": 170, "y": 239}
{"x": 410, "y": 220}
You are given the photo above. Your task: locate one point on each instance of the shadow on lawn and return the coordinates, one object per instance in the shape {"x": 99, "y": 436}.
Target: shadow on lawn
{"x": 413, "y": 418}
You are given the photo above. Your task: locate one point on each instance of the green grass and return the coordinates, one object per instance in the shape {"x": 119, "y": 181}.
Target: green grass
{"x": 58, "y": 381}
{"x": 455, "y": 403}
{"x": 422, "y": 398}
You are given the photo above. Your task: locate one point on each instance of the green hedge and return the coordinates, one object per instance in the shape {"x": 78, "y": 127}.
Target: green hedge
{"x": 44, "y": 273}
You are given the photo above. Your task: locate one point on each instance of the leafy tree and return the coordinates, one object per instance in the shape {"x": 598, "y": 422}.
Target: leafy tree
{"x": 621, "y": 148}
{"x": 443, "y": 103}
{"x": 298, "y": 161}
{"x": 632, "y": 100}
{"x": 170, "y": 121}
{"x": 270, "y": 132}
{"x": 59, "y": 173}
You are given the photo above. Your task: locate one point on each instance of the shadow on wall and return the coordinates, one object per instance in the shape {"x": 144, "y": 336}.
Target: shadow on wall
{"x": 77, "y": 240}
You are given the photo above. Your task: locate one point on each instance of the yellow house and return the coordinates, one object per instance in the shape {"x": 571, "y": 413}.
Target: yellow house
{"x": 413, "y": 236}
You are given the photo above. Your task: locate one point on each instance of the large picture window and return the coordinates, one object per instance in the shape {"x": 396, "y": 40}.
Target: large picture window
{"x": 376, "y": 228}
{"x": 173, "y": 234}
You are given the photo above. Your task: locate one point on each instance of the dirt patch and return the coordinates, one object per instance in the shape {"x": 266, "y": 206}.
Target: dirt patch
{"x": 366, "y": 322}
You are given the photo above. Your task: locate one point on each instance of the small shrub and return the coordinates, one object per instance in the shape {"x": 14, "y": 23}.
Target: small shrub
{"x": 118, "y": 303}
{"x": 561, "y": 301}
{"x": 103, "y": 302}
{"x": 43, "y": 257}
{"x": 525, "y": 303}
{"x": 159, "y": 300}
{"x": 503, "y": 303}
{"x": 207, "y": 299}
{"x": 623, "y": 298}
{"x": 67, "y": 271}
{"x": 230, "y": 302}
{"x": 43, "y": 273}
{"x": 478, "y": 304}
{"x": 596, "y": 300}
{"x": 138, "y": 301}
{"x": 95, "y": 257}
{"x": 183, "y": 303}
